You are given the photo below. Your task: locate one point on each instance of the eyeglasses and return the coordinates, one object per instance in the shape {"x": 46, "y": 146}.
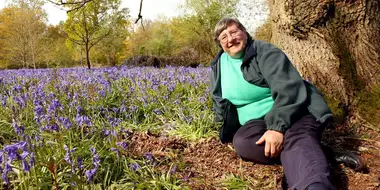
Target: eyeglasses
{"x": 224, "y": 37}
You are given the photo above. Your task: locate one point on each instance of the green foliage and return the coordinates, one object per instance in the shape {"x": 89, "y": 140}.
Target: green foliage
{"x": 189, "y": 36}
{"x": 369, "y": 105}
{"x": 21, "y": 34}
{"x": 94, "y": 22}
{"x": 57, "y": 54}
{"x": 234, "y": 182}
{"x": 154, "y": 39}
{"x": 337, "y": 109}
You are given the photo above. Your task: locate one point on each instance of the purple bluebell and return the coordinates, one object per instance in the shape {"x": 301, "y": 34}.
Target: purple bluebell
{"x": 80, "y": 163}
{"x": 67, "y": 157}
{"x": 4, "y": 101}
{"x": 106, "y": 132}
{"x": 95, "y": 157}
{"x": 31, "y": 161}
{"x": 79, "y": 109}
{"x": 90, "y": 174}
{"x": 95, "y": 160}
{"x": 149, "y": 156}
{"x": 157, "y": 111}
{"x": 54, "y": 127}
{"x": 122, "y": 144}
{"x": 66, "y": 122}
{"x": 25, "y": 166}
{"x": 19, "y": 129}
{"x": 173, "y": 169}
{"x": 135, "y": 166}
{"x": 17, "y": 88}
{"x": 7, "y": 169}
{"x": 115, "y": 150}
{"x": 39, "y": 110}
{"x": 54, "y": 105}
{"x": 20, "y": 101}
{"x": 83, "y": 120}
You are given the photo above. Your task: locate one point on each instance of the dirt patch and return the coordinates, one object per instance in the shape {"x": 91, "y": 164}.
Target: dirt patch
{"x": 207, "y": 163}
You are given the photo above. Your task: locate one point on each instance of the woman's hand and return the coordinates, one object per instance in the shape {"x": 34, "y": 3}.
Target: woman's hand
{"x": 273, "y": 143}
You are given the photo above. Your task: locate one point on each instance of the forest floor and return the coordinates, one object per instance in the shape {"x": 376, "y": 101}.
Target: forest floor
{"x": 209, "y": 164}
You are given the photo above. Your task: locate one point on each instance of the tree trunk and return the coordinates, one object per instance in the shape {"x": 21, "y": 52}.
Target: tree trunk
{"x": 88, "y": 56}
{"x": 333, "y": 43}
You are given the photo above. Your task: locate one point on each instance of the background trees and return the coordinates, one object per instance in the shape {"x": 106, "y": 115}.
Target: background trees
{"x": 100, "y": 31}
{"x": 22, "y": 30}
{"x": 93, "y": 23}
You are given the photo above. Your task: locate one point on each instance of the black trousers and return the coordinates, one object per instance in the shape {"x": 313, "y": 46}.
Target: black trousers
{"x": 302, "y": 158}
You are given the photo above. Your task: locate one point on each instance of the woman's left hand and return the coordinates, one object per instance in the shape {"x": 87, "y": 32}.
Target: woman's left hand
{"x": 273, "y": 143}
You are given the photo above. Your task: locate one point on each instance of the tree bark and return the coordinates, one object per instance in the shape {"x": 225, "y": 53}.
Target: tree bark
{"x": 333, "y": 43}
{"x": 88, "y": 56}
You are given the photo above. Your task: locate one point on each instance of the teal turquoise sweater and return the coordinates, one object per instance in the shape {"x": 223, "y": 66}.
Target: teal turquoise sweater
{"x": 252, "y": 101}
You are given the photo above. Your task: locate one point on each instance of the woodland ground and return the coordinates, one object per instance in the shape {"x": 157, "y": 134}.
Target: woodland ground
{"x": 208, "y": 160}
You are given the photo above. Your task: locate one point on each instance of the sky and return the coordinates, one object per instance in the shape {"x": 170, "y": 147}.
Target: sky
{"x": 252, "y": 13}
{"x": 151, "y": 9}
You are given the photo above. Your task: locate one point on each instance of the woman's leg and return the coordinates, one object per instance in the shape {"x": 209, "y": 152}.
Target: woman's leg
{"x": 302, "y": 158}
{"x": 244, "y": 143}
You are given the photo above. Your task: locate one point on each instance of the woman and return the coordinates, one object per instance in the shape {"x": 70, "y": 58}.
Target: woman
{"x": 269, "y": 113}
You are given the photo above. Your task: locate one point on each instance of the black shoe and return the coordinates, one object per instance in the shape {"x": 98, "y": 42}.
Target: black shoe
{"x": 352, "y": 161}
{"x": 346, "y": 158}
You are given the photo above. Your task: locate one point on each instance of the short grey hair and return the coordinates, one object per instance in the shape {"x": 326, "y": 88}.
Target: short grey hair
{"x": 223, "y": 24}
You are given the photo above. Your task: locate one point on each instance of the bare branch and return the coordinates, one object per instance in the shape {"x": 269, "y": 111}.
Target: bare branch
{"x": 76, "y": 4}
{"x": 140, "y": 16}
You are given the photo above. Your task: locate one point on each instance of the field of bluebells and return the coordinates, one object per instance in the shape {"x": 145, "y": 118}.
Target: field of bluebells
{"x": 66, "y": 128}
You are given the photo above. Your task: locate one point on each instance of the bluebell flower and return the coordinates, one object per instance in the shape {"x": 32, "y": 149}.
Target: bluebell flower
{"x": 102, "y": 93}
{"x": 123, "y": 108}
{"x": 135, "y": 166}
{"x": 31, "y": 161}
{"x": 67, "y": 157}
{"x": 157, "y": 111}
{"x": 115, "y": 150}
{"x": 18, "y": 129}
{"x": 4, "y": 176}
{"x": 90, "y": 174}
{"x": 149, "y": 156}
{"x": 25, "y": 166}
{"x": 80, "y": 163}
{"x": 1, "y": 156}
{"x": 38, "y": 110}
{"x": 82, "y": 120}
{"x": 54, "y": 105}
{"x": 20, "y": 101}
{"x": 173, "y": 169}
{"x": 12, "y": 151}
{"x": 106, "y": 132}
{"x": 4, "y": 101}
{"x": 54, "y": 127}
{"x": 79, "y": 109}
{"x": 17, "y": 88}
{"x": 95, "y": 159}
{"x": 66, "y": 122}
{"x": 122, "y": 144}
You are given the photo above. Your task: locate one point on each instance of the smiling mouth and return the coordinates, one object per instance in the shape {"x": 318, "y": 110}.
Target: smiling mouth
{"x": 233, "y": 44}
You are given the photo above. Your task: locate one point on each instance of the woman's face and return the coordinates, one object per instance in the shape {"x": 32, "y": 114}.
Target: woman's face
{"x": 233, "y": 40}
